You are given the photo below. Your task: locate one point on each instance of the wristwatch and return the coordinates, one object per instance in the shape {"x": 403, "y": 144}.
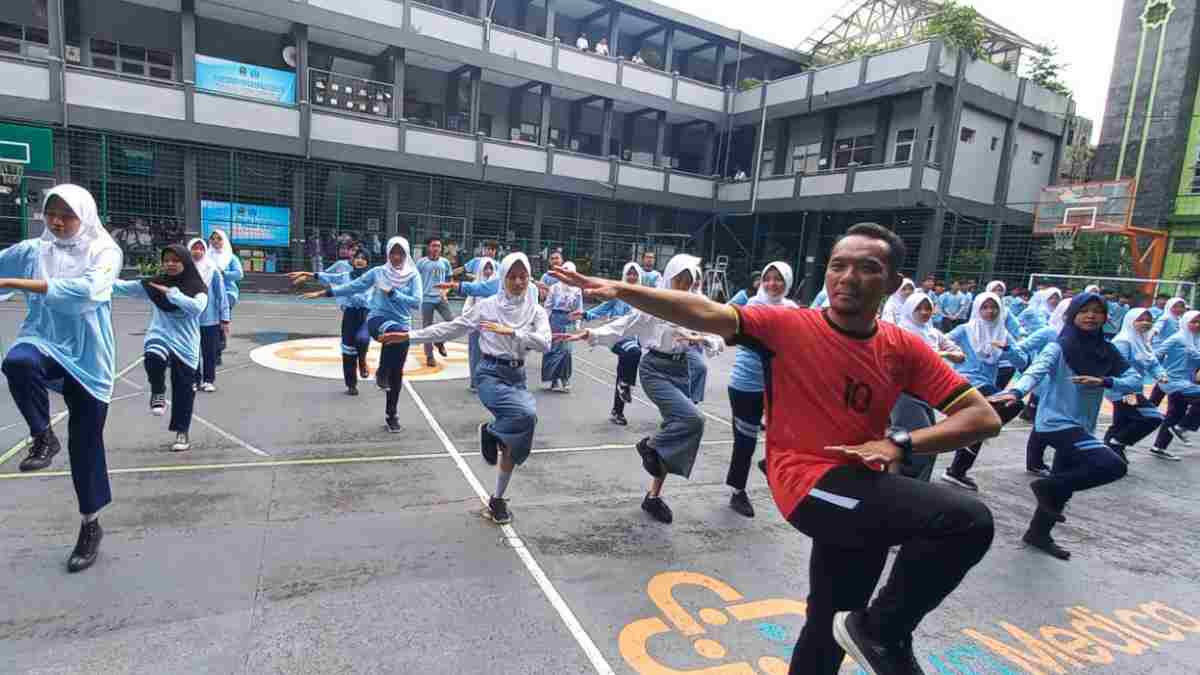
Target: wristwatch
{"x": 903, "y": 440}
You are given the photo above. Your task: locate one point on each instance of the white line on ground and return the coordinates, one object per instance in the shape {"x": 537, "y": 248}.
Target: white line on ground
{"x": 704, "y": 412}
{"x": 560, "y": 605}
{"x": 8, "y": 454}
{"x": 229, "y": 436}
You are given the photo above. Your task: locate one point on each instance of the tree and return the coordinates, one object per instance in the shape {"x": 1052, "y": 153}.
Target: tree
{"x": 1093, "y": 255}
{"x": 1077, "y": 162}
{"x": 969, "y": 263}
{"x": 959, "y": 25}
{"x": 1046, "y": 71}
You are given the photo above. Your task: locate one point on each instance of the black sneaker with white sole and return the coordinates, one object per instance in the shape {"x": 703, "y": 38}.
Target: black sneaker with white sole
{"x": 42, "y": 449}
{"x": 392, "y": 424}
{"x": 618, "y": 419}
{"x": 740, "y": 502}
{"x": 624, "y": 391}
{"x": 961, "y": 480}
{"x": 1164, "y": 454}
{"x": 487, "y": 444}
{"x": 873, "y": 656}
{"x": 497, "y": 511}
{"x": 1039, "y": 471}
{"x": 658, "y": 509}
{"x": 650, "y": 461}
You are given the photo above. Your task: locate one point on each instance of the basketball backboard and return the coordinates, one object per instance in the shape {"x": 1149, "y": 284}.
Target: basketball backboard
{"x": 1103, "y": 207}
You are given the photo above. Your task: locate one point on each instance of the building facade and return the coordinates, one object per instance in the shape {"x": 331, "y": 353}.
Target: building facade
{"x": 286, "y": 121}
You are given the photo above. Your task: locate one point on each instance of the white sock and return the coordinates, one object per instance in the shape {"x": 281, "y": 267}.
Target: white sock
{"x": 89, "y": 517}
{"x": 502, "y": 478}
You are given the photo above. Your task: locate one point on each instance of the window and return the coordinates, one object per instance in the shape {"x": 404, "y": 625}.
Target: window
{"x": 967, "y": 135}
{"x": 929, "y": 143}
{"x": 853, "y": 151}
{"x": 132, "y": 60}
{"x": 806, "y": 159}
{"x": 1037, "y": 157}
{"x": 995, "y": 143}
{"x": 904, "y": 142}
{"x": 1185, "y": 245}
{"x": 1196, "y": 177}
{"x": 352, "y": 94}
{"x": 28, "y": 40}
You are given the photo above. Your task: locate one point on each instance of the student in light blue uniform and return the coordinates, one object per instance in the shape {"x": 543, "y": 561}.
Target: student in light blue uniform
{"x": 822, "y": 299}
{"x": 650, "y": 276}
{"x": 485, "y": 285}
{"x": 747, "y": 387}
{"x": 555, "y": 259}
{"x": 178, "y": 297}
{"x": 510, "y": 324}
{"x": 215, "y": 319}
{"x": 356, "y": 342}
{"x": 1006, "y": 371}
{"x": 1117, "y": 308}
{"x": 1077, "y": 368}
{"x": 221, "y": 251}
{"x": 1133, "y": 416}
{"x": 1035, "y": 316}
{"x": 1180, "y": 358}
{"x": 628, "y": 351}
{"x": 1168, "y": 324}
{"x": 1160, "y": 304}
{"x": 66, "y": 344}
{"x": 557, "y": 365}
{"x": 472, "y": 266}
{"x": 396, "y": 295}
{"x": 743, "y": 296}
{"x": 984, "y": 342}
{"x": 1030, "y": 347}
{"x": 954, "y": 307}
{"x": 700, "y": 347}
{"x": 434, "y": 270}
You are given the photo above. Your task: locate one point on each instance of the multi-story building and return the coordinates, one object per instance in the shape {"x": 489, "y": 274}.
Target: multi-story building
{"x": 1150, "y": 131}
{"x": 282, "y": 119}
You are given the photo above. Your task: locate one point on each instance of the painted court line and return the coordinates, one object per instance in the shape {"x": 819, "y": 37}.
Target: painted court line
{"x": 8, "y": 454}
{"x": 560, "y": 605}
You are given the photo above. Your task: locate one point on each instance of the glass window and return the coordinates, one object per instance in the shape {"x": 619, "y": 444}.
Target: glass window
{"x": 806, "y": 158}
{"x": 904, "y": 142}
{"x": 1185, "y": 245}
{"x": 967, "y": 135}
{"x": 929, "y": 144}
{"x": 856, "y": 150}
{"x": 1037, "y": 157}
{"x": 995, "y": 143}
{"x": 1196, "y": 179}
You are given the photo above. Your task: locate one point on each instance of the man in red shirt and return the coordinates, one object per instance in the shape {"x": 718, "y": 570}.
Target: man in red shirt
{"x": 832, "y": 378}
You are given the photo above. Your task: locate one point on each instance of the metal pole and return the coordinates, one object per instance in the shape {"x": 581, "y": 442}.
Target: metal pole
{"x": 737, "y": 80}
{"x": 104, "y": 176}
{"x": 337, "y": 186}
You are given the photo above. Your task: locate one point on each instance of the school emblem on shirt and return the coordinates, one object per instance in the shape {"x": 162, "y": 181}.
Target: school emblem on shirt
{"x": 322, "y": 357}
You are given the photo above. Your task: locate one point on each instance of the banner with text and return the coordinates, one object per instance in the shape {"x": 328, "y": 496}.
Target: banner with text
{"x": 245, "y": 80}
{"x": 247, "y": 224}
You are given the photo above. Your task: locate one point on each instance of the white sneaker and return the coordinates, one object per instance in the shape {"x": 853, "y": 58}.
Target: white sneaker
{"x": 208, "y": 387}
{"x": 158, "y": 404}
{"x": 565, "y": 387}
{"x": 547, "y": 386}
{"x": 181, "y": 443}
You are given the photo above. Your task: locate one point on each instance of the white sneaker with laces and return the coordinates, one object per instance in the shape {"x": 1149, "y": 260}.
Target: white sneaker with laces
{"x": 181, "y": 443}
{"x": 208, "y": 387}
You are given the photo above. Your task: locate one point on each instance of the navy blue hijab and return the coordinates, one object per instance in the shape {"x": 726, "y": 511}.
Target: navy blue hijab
{"x": 1087, "y": 352}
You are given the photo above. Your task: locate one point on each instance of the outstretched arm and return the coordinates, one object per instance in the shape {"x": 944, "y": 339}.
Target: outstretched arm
{"x": 685, "y": 309}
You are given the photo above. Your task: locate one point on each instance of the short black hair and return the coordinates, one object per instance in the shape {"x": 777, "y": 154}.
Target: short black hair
{"x": 430, "y": 240}
{"x": 897, "y": 251}
{"x": 555, "y": 250}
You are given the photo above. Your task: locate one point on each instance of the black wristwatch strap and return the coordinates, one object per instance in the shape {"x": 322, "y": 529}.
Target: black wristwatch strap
{"x": 903, "y": 441}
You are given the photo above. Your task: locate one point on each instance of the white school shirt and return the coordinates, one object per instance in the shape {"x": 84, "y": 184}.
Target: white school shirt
{"x": 581, "y": 43}
{"x": 532, "y": 336}
{"x": 602, "y": 49}
{"x": 653, "y": 333}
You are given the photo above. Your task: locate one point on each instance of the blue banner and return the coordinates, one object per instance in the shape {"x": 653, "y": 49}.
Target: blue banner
{"x": 247, "y": 224}
{"x": 245, "y": 80}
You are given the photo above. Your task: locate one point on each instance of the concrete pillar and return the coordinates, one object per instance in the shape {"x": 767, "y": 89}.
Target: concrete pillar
{"x": 931, "y": 244}
{"x": 783, "y": 145}
{"x": 54, "y": 25}
{"x": 300, "y": 35}
{"x": 660, "y": 136}
{"x": 708, "y": 165}
{"x": 828, "y": 132}
{"x": 187, "y": 42}
{"x": 574, "y": 121}
{"x": 399, "y": 70}
{"x": 516, "y": 110}
{"x": 551, "y": 16}
{"x": 950, "y": 149}
{"x": 483, "y": 9}
{"x": 191, "y": 192}
{"x": 883, "y": 131}
{"x": 299, "y": 217}
{"x": 539, "y": 214}
{"x": 668, "y": 50}
{"x": 628, "y": 133}
{"x": 814, "y": 258}
{"x": 392, "y": 190}
{"x": 614, "y": 33}
{"x": 925, "y": 119}
{"x": 719, "y": 62}
{"x": 476, "y": 76}
{"x": 544, "y": 136}
{"x": 1006, "y": 153}
{"x": 606, "y": 129}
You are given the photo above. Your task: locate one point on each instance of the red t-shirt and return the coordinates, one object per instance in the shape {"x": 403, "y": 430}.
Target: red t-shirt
{"x": 826, "y": 387}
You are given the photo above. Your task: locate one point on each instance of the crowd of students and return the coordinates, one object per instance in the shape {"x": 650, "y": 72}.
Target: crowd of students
{"x": 913, "y": 387}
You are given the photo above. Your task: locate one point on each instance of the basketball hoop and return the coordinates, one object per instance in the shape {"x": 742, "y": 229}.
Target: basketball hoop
{"x": 1064, "y": 238}
{"x": 11, "y": 174}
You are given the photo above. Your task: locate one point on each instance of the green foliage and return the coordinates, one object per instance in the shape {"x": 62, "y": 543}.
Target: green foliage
{"x": 149, "y": 268}
{"x": 748, "y": 83}
{"x": 959, "y": 25}
{"x": 1093, "y": 255}
{"x": 968, "y": 263}
{"x": 1046, "y": 71}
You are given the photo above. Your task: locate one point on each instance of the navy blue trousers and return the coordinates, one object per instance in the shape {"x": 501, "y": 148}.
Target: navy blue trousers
{"x": 29, "y": 373}
{"x": 210, "y": 349}
{"x": 355, "y": 342}
{"x": 183, "y": 393}
{"x": 1080, "y": 463}
{"x": 391, "y": 361}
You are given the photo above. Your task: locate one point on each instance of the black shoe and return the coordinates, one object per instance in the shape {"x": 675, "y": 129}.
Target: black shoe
{"x": 158, "y": 404}
{"x": 874, "y": 656}
{"x": 961, "y": 480}
{"x": 1046, "y": 544}
{"x": 657, "y": 508}
{"x": 352, "y": 390}
{"x": 1045, "y": 500}
{"x": 497, "y": 511}
{"x": 740, "y": 502}
{"x": 41, "y": 452}
{"x": 1120, "y": 450}
{"x": 381, "y": 379}
{"x": 487, "y": 444}
{"x": 618, "y": 418}
{"x": 625, "y": 392}
{"x": 392, "y": 424}
{"x": 650, "y": 460}
{"x": 1157, "y": 452}
{"x": 1039, "y": 471}
{"x": 441, "y": 347}
{"x": 86, "y": 548}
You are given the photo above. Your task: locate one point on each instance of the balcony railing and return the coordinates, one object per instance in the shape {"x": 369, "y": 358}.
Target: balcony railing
{"x": 348, "y": 94}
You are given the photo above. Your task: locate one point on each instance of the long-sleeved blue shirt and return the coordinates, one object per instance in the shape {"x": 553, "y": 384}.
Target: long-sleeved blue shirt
{"x": 433, "y": 272}
{"x": 609, "y": 309}
{"x": 338, "y": 274}
{"x": 1033, "y": 319}
{"x": 233, "y": 274}
{"x": 178, "y": 332}
{"x": 480, "y": 289}
{"x": 1164, "y": 328}
{"x": 72, "y": 322}
{"x": 563, "y": 302}
{"x": 1015, "y": 305}
{"x": 954, "y": 305}
{"x": 1156, "y": 312}
{"x": 1062, "y": 404}
{"x": 977, "y": 372}
{"x": 1116, "y": 314}
{"x": 651, "y": 278}
{"x": 1133, "y": 381}
{"x": 740, "y": 299}
{"x": 1180, "y": 362}
{"x": 396, "y": 305}
{"x": 217, "y": 310}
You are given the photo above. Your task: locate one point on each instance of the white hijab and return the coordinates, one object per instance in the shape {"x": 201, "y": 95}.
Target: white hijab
{"x": 205, "y": 265}
{"x": 516, "y": 311}
{"x": 1058, "y": 318}
{"x": 1139, "y": 343}
{"x": 764, "y": 298}
{"x": 891, "y": 309}
{"x": 398, "y": 277}
{"x": 569, "y": 292}
{"x": 636, "y": 267}
{"x": 926, "y": 331}
{"x": 983, "y": 333}
{"x": 1092, "y": 288}
{"x": 224, "y": 255}
{"x": 1190, "y": 339}
{"x": 71, "y": 258}
{"x": 678, "y": 265}
{"x": 1170, "y": 305}
{"x": 991, "y": 287}
{"x": 1041, "y": 298}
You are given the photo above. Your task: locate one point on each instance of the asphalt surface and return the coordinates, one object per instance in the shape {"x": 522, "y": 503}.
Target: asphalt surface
{"x": 298, "y": 537}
